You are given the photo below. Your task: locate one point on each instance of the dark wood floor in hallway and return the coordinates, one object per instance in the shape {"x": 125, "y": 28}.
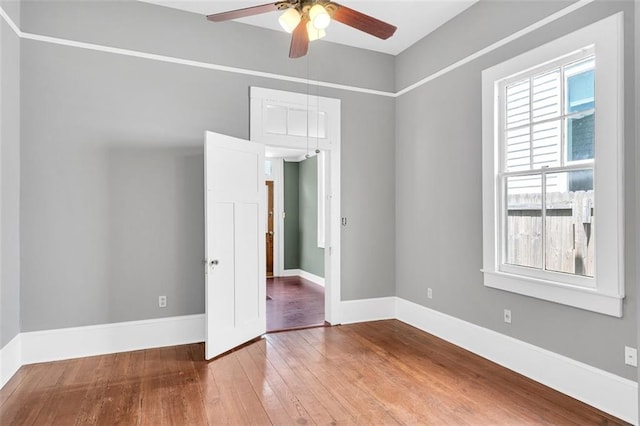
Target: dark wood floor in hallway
{"x": 293, "y": 302}
{"x": 383, "y": 372}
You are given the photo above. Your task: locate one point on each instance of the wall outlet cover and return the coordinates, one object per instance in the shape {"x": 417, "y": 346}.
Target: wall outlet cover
{"x": 631, "y": 356}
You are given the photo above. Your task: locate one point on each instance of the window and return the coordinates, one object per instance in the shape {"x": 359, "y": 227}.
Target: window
{"x": 547, "y": 147}
{"x": 552, "y": 180}
{"x": 268, "y": 168}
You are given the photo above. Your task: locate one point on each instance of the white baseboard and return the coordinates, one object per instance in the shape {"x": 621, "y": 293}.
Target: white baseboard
{"x": 290, "y": 272}
{"x": 608, "y": 392}
{"x": 10, "y": 359}
{"x": 67, "y": 343}
{"x": 368, "y": 309}
{"x": 304, "y": 274}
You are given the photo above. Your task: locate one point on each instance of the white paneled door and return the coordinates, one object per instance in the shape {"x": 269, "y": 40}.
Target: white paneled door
{"x": 235, "y": 274}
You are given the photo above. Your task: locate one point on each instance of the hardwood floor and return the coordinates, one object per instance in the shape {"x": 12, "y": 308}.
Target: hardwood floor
{"x": 383, "y": 372}
{"x": 293, "y": 302}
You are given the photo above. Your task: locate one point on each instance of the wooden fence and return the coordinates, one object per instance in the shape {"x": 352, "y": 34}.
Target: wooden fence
{"x": 569, "y": 232}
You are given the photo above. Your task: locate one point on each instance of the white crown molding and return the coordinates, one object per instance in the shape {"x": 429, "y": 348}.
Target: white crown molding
{"x": 182, "y": 61}
{"x": 206, "y": 65}
{"x": 553, "y": 17}
{"x": 10, "y": 22}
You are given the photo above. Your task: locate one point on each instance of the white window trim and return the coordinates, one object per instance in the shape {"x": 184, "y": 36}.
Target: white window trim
{"x": 606, "y": 37}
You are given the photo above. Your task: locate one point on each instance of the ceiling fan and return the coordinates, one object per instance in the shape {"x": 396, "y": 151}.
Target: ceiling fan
{"x": 307, "y": 20}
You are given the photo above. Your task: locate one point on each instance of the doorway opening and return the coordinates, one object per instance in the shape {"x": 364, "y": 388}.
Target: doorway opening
{"x": 294, "y": 239}
{"x": 300, "y": 128}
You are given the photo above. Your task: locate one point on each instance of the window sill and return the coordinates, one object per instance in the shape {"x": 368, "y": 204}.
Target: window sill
{"x": 583, "y": 298}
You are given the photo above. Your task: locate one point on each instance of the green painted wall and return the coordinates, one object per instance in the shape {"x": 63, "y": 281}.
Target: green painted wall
{"x": 311, "y": 257}
{"x": 301, "y": 220}
{"x": 291, "y": 220}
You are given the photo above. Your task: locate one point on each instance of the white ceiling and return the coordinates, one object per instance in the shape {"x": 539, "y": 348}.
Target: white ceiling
{"x": 414, "y": 19}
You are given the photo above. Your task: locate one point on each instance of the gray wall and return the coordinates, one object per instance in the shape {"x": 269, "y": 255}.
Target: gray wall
{"x": 637, "y": 121}
{"x": 111, "y": 167}
{"x": 438, "y": 186}
{"x": 311, "y": 257}
{"x": 292, "y": 215}
{"x": 368, "y": 193}
{"x": 301, "y": 222}
{"x": 9, "y": 178}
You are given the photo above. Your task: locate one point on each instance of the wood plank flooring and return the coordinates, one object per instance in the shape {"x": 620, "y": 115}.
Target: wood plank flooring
{"x": 383, "y": 372}
{"x": 293, "y": 302}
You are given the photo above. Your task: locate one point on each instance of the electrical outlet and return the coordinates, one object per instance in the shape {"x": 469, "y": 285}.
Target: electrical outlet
{"x": 430, "y": 293}
{"x": 631, "y": 356}
{"x": 507, "y": 316}
{"x": 162, "y": 301}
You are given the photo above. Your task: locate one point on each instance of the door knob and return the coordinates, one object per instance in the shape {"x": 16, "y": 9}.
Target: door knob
{"x": 270, "y": 232}
{"x": 214, "y": 262}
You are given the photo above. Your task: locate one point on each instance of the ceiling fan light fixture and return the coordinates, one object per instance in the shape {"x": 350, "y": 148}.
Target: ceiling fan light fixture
{"x": 319, "y": 16}
{"x": 289, "y": 20}
{"x": 314, "y": 33}
{"x": 297, "y": 14}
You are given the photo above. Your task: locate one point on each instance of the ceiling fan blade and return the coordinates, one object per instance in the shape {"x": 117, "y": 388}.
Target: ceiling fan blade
{"x": 299, "y": 40}
{"x": 362, "y": 22}
{"x": 247, "y": 11}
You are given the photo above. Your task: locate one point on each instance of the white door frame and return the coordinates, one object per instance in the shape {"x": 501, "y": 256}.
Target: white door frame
{"x": 277, "y": 176}
{"x": 268, "y": 105}
{"x": 278, "y": 249}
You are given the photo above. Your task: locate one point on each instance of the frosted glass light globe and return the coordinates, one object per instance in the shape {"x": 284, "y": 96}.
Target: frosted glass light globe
{"x": 314, "y": 33}
{"x": 289, "y": 20}
{"x": 319, "y": 17}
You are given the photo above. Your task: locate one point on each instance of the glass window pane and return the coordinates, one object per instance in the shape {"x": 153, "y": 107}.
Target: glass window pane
{"x": 297, "y": 122}
{"x": 518, "y": 101}
{"x": 580, "y": 85}
{"x": 276, "y": 120}
{"x": 546, "y": 144}
{"x": 518, "y": 149}
{"x": 580, "y": 137}
{"x": 569, "y": 230}
{"x": 523, "y": 233}
{"x": 317, "y": 124}
{"x": 268, "y": 167}
{"x": 546, "y": 96}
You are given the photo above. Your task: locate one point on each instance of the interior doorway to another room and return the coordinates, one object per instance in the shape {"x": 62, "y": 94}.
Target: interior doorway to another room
{"x": 297, "y": 127}
{"x": 295, "y": 238}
